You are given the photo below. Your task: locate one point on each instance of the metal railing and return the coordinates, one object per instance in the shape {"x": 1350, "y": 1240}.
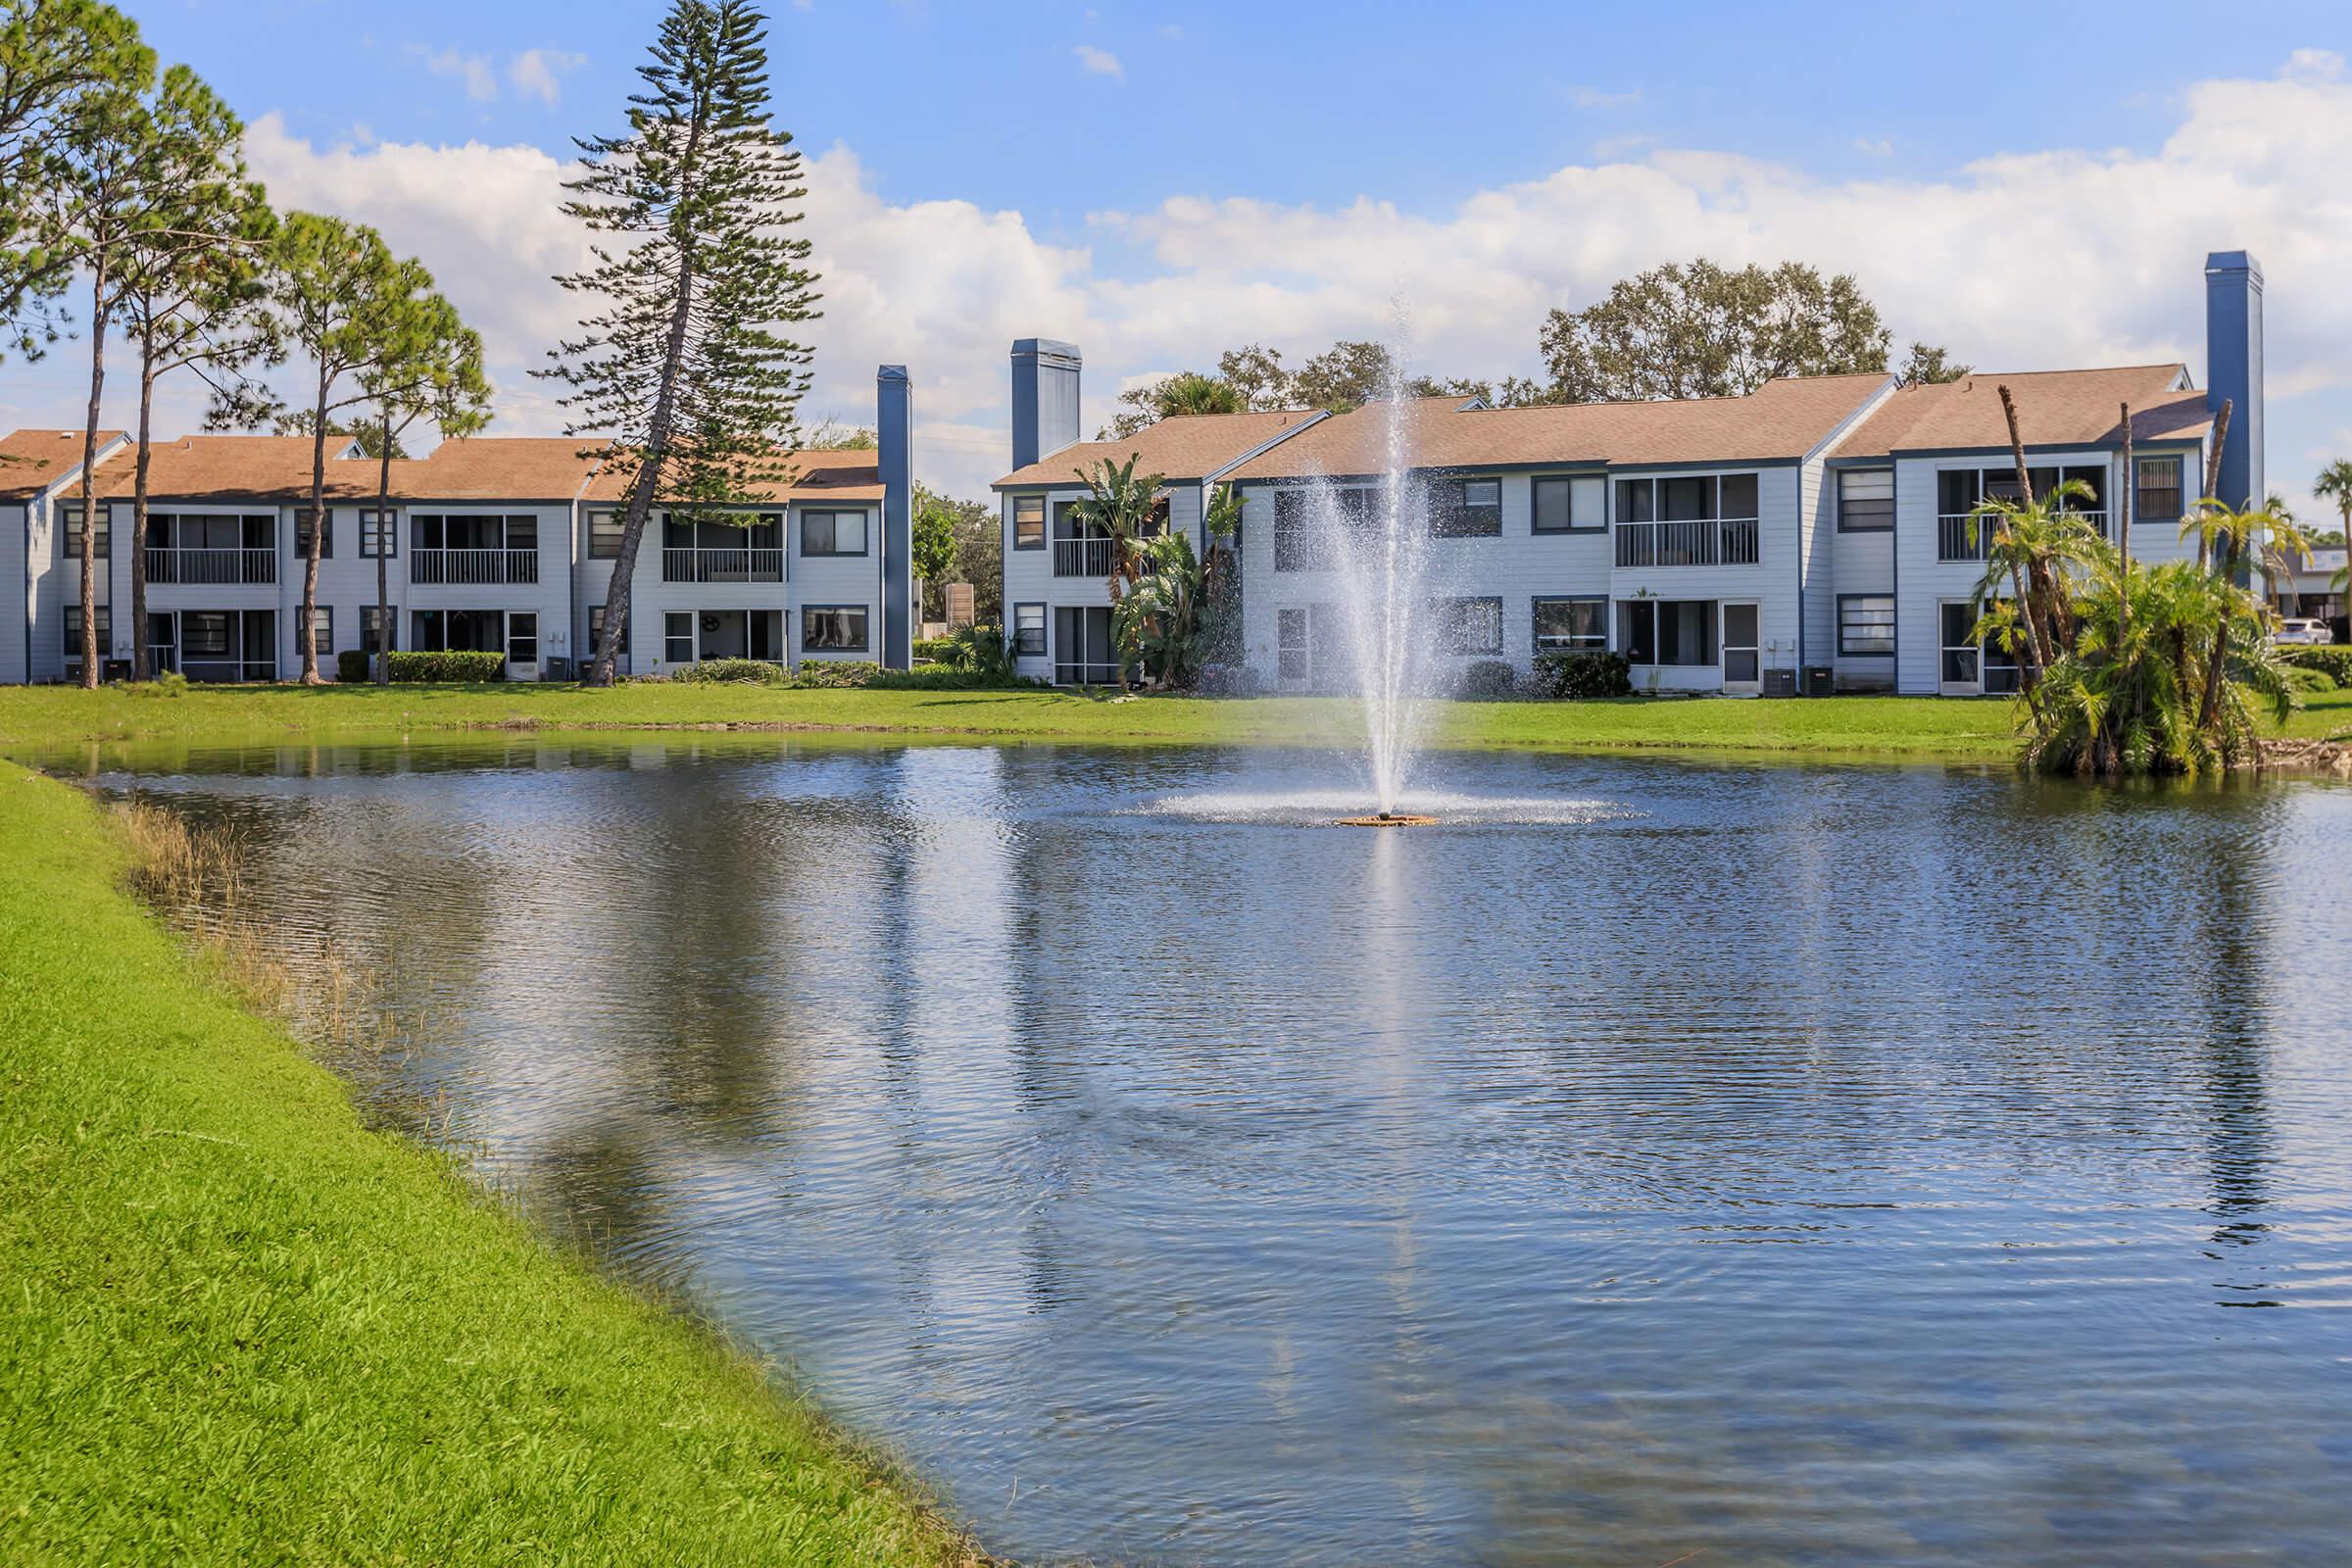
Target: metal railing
{"x": 1083, "y": 558}
{"x": 1076, "y": 672}
{"x": 701, "y": 563}
{"x": 1706, "y": 542}
{"x": 467, "y": 567}
{"x": 214, "y": 670}
{"x": 169, "y": 564}
{"x": 1965, "y": 536}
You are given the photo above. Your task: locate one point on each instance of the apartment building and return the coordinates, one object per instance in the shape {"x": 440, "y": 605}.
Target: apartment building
{"x": 494, "y": 543}
{"x": 1813, "y": 535}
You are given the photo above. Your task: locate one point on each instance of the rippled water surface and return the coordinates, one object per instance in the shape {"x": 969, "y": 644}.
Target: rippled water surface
{"x": 1784, "y": 1165}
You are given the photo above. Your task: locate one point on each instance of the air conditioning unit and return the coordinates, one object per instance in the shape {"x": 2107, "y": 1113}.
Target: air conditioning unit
{"x": 1780, "y": 683}
{"x": 558, "y": 669}
{"x": 1820, "y": 680}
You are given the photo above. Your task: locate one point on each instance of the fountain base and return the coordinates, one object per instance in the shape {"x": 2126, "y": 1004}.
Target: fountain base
{"x": 1387, "y": 819}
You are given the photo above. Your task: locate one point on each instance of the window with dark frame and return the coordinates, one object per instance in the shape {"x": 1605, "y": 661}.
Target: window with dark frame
{"x": 302, "y": 535}
{"x": 1467, "y": 626}
{"x": 379, "y": 531}
{"x": 323, "y": 619}
{"x": 522, "y": 637}
{"x": 1466, "y": 509}
{"x": 1029, "y": 630}
{"x": 596, "y": 631}
{"x": 1290, "y": 637}
{"x": 1864, "y": 500}
{"x": 677, "y": 637}
{"x": 71, "y": 643}
{"x": 2159, "y": 498}
{"x": 68, "y": 522}
{"x": 369, "y": 626}
{"x": 833, "y": 628}
{"x": 1028, "y": 522}
{"x": 1568, "y": 625}
{"x": 832, "y": 533}
{"x": 1568, "y": 503}
{"x": 1866, "y": 625}
{"x": 605, "y": 527}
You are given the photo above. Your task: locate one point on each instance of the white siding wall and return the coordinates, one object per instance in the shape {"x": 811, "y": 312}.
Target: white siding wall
{"x": 837, "y": 580}
{"x": 1858, "y": 564}
{"x": 15, "y": 593}
{"x": 58, "y": 583}
{"x": 547, "y": 598}
{"x": 1029, "y": 573}
{"x": 1771, "y": 583}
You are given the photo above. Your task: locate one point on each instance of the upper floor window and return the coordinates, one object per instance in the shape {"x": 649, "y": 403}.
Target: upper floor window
{"x": 69, "y": 522}
{"x": 1028, "y": 522}
{"x": 1569, "y": 503}
{"x": 1466, "y": 509}
{"x": 1864, "y": 500}
{"x": 379, "y": 534}
{"x": 302, "y": 534}
{"x": 832, "y": 533}
{"x": 604, "y": 533}
{"x": 1687, "y": 498}
{"x": 2160, "y": 498}
{"x": 1310, "y": 521}
{"x": 432, "y": 530}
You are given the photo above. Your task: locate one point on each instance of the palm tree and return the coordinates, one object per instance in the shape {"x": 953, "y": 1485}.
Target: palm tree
{"x": 2334, "y": 483}
{"x": 1122, "y": 509}
{"x": 1191, "y": 392}
{"x": 2034, "y": 540}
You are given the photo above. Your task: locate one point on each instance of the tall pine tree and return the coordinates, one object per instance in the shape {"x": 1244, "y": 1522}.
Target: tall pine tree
{"x": 682, "y": 363}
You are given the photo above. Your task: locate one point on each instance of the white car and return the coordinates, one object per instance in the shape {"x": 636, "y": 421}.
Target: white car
{"x": 2303, "y": 632}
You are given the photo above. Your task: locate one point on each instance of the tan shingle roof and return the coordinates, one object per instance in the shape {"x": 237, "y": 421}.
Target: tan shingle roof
{"x": 2054, "y": 409}
{"x": 1187, "y": 446}
{"x": 497, "y": 467}
{"x": 853, "y": 475}
{"x": 1781, "y": 421}
{"x": 32, "y": 461}
{"x": 233, "y": 467}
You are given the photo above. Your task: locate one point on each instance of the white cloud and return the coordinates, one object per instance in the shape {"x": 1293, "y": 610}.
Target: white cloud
{"x": 1875, "y": 146}
{"x": 539, "y": 71}
{"x": 1098, "y": 62}
{"x": 1594, "y": 98}
{"x": 2016, "y": 263}
{"x": 474, "y": 69}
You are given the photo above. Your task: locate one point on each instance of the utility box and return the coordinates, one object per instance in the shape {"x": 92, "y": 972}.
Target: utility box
{"x": 558, "y": 669}
{"x": 1780, "y": 683}
{"x": 1820, "y": 680}
{"x": 959, "y": 596}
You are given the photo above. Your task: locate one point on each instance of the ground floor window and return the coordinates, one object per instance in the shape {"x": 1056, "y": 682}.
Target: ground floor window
{"x": 1572, "y": 626}
{"x": 1082, "y": 650}
{"x": 323, "y": 630}
{"x": 522, "y": 638}
{"x": 596, "y": 631}
{"x": 1742, "y": 660}
{"x": 833, "y": 629}
{"x": 677, "y": 637}
{"x": 1467, "y": 626}
{"x": 458, "y": 631}
{"x": 73, "y": 632}
{"x": 1865, "y": 625}
{"x": 1667, "y": 631}
{"x": 228, "y": 645}
{"x": 1289, "y": 644}
{"x": 1969, "y": 660}
{"x": 1029, "y": 630}
{"x": 372, "y": 625}
{"x": 163, "y": 643}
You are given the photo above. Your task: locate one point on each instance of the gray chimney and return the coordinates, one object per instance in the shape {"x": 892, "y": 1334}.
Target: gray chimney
{"x": 2233, "y": 369}
{"x": 894, "y": 457}
{"x": 1045, "y": 398}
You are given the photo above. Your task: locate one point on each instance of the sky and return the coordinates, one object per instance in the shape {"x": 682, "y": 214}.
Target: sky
{"x": 2032, "y": 185}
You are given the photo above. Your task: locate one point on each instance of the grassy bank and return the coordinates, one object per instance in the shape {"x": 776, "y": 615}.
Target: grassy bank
{"x": 239, "y": 1326}
{"x": 34, "y": 717}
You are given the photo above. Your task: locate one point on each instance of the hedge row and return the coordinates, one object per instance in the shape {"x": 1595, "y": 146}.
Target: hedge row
{"x": 2333, "y": 662}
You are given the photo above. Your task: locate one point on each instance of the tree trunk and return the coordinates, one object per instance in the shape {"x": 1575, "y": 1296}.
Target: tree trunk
{"x": 2210, "y": 706}
{"x": 2121, "y": 507}
{"x": 307, "y": 632}
{"x": 2213, "y": 481}
{"x": 99, "y": 317}
{"x": 646, "y": 484}
{"x": 2038, "y": 656}
{"x": 383, "y": 537}
{"x": 138, "y": 514}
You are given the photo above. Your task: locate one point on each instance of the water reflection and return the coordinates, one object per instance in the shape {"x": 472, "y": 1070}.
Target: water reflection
{"x": 1826, "y": 1165}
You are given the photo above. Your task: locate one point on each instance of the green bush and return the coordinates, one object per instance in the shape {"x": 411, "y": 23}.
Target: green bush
{"x": 938, "y": 649}
{"x": 734, "y": 672}
{"x": 946, "y": 678}
{"x": 167, "y": 683}
{"x": 2333, "y": 662}
{"x": 1486, "y": 677}
{"x": 2303, "y": 678}
{"x": 827, "y": 673}
{"x": 1585, "y": 673}
{"x": 470, "y": 668}
{"x": 351, "y": 667}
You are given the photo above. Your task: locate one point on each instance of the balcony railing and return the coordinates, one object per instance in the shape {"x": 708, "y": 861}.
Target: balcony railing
{"x": 1077, "y": 672}
{"x": 467, "y": 568}
{"x": 1708, "y": 542}
{"x": 1965, "y": 536}
{"x": 1083, "y": 558}
{"x": 689, "y": 563}
{"x": 167, "y": 566}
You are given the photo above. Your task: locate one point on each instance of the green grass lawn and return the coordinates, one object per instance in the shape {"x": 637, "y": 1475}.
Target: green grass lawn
{"x": 237, "y": 1326}
{"x": 47, "y": 716}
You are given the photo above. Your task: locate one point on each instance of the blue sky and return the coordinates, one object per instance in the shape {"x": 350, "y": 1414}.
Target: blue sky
{"x": 1163, "y": 180}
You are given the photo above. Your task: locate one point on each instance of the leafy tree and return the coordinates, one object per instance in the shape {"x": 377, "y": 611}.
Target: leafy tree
{"x": 979, "y": 550}
{"x": 1257, "y": 376}
{"x": 1697, "y": 330}
{"x": 681, "y": 361}
{"x": 54, "y": 56}
{"x": 831, "y": 437}
{"x": 2334, "y": 484}
{"x": 1127, "y": 510}
{"x": 1927, "y": 365}
{"x": 193, "y": 296}
{"x": 430, "y": 369}
{"x": 1185, "y": 392}
{"x": 932, "y": 548}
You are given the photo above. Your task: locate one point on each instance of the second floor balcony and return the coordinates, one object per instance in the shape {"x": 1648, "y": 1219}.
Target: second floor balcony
{"x": 707, "y": 563}
{"x": 1700, "y": 542}
{"x": 473, "y": 568}
{"x": 1083, "y": 558}
{"x": 168, "y": 565}
{"x": 1966, "y": 536}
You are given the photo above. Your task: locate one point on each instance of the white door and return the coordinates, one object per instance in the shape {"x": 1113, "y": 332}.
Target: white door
{"x": 1742, "y": 659}
{"x": 1958, "y": 659}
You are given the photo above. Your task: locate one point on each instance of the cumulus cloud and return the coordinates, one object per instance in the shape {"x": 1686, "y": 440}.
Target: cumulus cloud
{"x": 1098, "y": 62}
{"x": 540, "y": 71}
{"x": 2020, "y": 262}
{"x": 481, "y": 86}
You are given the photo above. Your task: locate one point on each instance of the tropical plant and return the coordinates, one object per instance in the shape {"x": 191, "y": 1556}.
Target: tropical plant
{"x": 1125, "y": 510}
{"x": 2334, "y": 483}
{"x": 681, "y": 361}
{"x": 1159, "y": 623}
{"x": 981, "y": 650}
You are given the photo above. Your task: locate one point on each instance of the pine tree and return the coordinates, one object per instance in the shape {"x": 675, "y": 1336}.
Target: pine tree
{"x": 681, "y": 364}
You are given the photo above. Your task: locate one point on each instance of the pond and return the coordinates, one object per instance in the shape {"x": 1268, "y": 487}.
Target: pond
{"x": 1822, "y": 1164}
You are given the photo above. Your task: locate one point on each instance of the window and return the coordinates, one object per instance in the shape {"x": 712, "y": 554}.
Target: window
{"x": 833, "y": 628}
{"x": 522, "y": 533}
{"x": 204, "y": 634}
{"x": 1029, "y": 630}
{"x": 1028, "y": 522}
{"x": 677, "y": 637}
{"x": 1570, "y": 503}
{"x": 1667, "y": 631}
{"x": 1466, "y": 509}
{"x": 833, "y": 533}
{"x": 1864, "y": 500}
{"x": 596, "y": 631}
{"x": 1289, "y": 638}
{"x": 2160, "y": 498}
{"x": 1572, "y": 626}
{"x": 371, "y": 628}
{"x": 1309, "y": 522}
{"x": 604, "y": 533}
{"x": 68, "y": 519}
{"x": 1467, "y": 626}
{"x": 379, "y": 532}
{"x": 322, "y": 621}
{"x": 73, "y": 629}
{"x": 1866, "y": 625}
{"x": 522, "y": 638}
{"x": 302, "y": 534}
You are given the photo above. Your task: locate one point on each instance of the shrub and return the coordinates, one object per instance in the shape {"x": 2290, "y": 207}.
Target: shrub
{"x": 734, "y": 672}
{"x": 2333, "y": 662}
{"x": 351, "y": 667}
{"x": 944, "y": 678}
{"x": 473, "y": 668}
{"x": 1486, "y": 677}
{"x": 1228, "y": 680}
{"x": 1585, "y": 673}
{"x": 167, "y": 683}
{"x": 938, "y": 650}
{"x": 2304, "y": 678}
{"x": 825, "y": 673}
